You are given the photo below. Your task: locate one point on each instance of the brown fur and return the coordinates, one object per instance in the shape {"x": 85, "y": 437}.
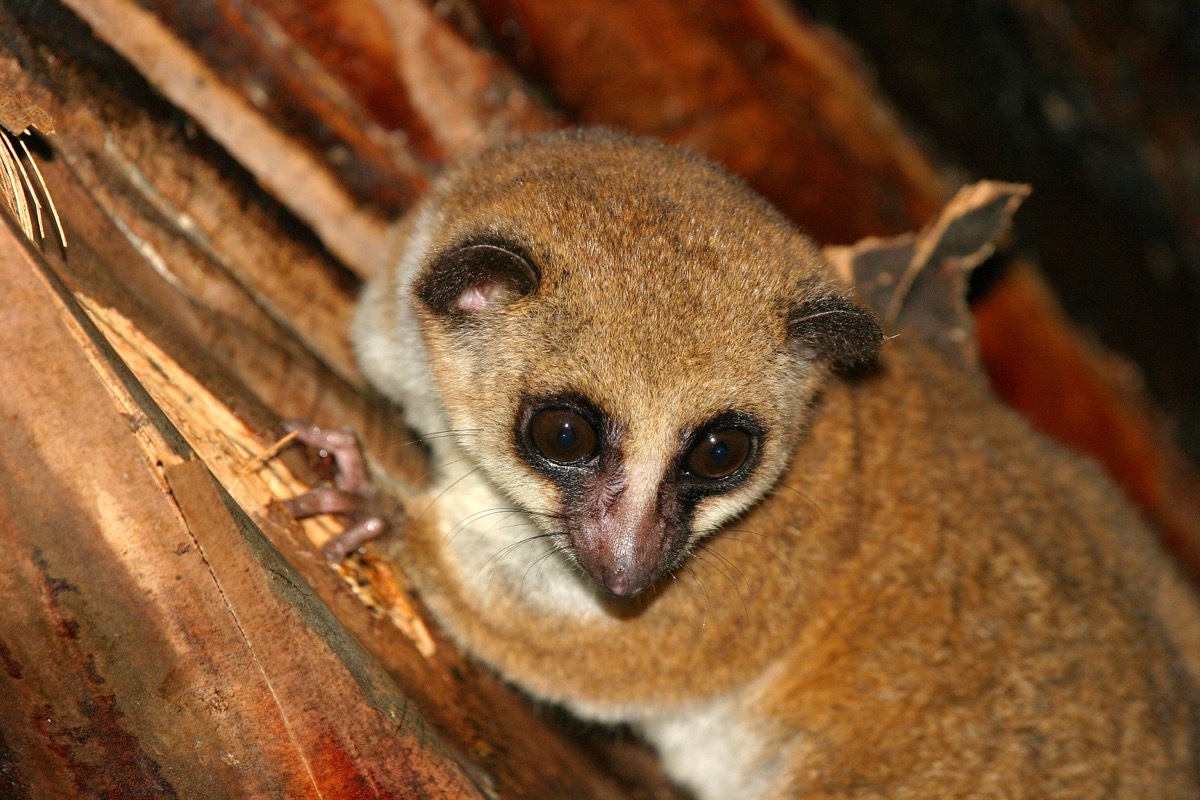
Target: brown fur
{"x": 928, "y": 601}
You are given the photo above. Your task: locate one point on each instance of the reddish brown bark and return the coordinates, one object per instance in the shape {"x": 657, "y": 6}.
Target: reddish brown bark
{"x": 745, "y": 82}
{"x": 153, "y": 645}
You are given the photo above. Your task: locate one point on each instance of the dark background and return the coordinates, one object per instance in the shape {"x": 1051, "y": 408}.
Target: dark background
{"x": 1097, "y": 105}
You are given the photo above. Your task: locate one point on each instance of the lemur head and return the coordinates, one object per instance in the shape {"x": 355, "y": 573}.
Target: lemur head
{"x": 627, "y": 339}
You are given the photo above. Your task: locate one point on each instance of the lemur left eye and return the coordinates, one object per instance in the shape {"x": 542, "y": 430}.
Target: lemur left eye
{"x": 562, "y": 436}
{"x": 719, "y": 453}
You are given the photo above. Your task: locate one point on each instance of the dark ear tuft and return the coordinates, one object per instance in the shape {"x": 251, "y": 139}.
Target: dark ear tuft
{"x": 473, "y": 278}
{"x": 830, "y": 328}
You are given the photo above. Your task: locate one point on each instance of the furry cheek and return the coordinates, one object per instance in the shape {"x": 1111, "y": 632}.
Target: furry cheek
{"x": 714, "y": 512}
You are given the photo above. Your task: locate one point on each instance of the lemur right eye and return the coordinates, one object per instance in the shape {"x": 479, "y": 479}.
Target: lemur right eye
{"x": 719, "y": 453}
{"x": 562, "y": 436}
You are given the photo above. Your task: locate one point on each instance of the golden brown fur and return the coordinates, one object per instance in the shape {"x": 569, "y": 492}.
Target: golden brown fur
{"x": 919, "y": 597}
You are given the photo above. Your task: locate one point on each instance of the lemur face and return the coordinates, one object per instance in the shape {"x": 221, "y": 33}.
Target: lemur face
{"x": 630, "y": 508}
{"x": 627, "y": 338}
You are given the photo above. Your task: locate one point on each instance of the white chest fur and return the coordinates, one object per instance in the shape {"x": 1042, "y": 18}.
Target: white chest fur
{"x": 714, "y": 749}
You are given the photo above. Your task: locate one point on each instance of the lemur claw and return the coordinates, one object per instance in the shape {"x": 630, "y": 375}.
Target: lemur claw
{"x": 354, "y": 494}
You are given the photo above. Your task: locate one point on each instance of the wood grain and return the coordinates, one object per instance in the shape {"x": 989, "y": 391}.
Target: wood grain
{"x": 140, "y": 616}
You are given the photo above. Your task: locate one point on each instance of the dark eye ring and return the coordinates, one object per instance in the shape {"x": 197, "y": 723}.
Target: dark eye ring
{"x": 719, "y": 452}
{"x": 562, "y": 436}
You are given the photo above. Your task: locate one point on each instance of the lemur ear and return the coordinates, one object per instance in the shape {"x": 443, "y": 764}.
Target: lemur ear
{"x": 831, "y": 328}
{"x": 471, "y": 279}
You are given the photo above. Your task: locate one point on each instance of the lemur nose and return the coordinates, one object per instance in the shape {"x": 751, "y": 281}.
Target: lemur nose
{"x": 625, "y": 582}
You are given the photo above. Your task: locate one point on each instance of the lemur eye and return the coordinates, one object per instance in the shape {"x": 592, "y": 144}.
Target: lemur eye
{"x": 719, "y": 453}
{"x": 562, "y": 436}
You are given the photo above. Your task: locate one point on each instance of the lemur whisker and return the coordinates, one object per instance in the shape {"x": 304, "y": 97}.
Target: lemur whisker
{"x": 816, "y": 506}
{"x": 726, "y": 533}
{"x": 729, "y": 563}
{"x": 500, "y": 554}
{"x": 466, "y": 521}
{"x": 703, "y": 592}
{"x": 426, "y": 437}
{"x": 700, "y": 558}
{"x": 537, "y": 562}
{"x": 443, "y": 492}
{"x": 438, "y": 467}
{"x": 478, "y": 515}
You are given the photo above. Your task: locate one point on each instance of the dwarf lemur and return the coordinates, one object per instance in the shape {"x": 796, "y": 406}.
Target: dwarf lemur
{"x": 683, "y": 483}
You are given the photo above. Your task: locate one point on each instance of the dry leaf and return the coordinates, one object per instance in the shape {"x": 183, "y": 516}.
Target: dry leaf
{"x": 918, "y": 282}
